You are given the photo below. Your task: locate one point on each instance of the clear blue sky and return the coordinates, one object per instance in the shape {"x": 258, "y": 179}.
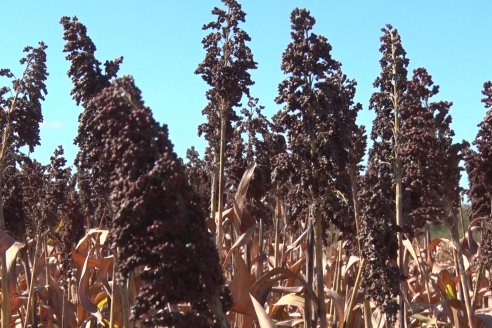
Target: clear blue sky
{"x": 161, "y": 44}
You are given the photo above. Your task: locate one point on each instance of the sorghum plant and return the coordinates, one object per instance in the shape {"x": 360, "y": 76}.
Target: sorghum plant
{"x": 262, "y": 145}
{"x": 319, "y": 120}
{"x": 418, "y": 154}
{"x": 157, "y": 227}
{"x": 198, "y": 177}
{"x": 20, "y": 116}
{"x": 140, "y": 185}
{"x": 88, "y": 80}
{"x": 20, "y": 119}
{"x": 479, "y": 169}
{"x": 382, "y": 183}
{"x": 225, "y": 69}
{"x": 413, "y": 164}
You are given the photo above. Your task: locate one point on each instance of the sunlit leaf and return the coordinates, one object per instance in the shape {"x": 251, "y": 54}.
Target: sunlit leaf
{"x": 291, "y": 300}
{"x": 263, "y": 319}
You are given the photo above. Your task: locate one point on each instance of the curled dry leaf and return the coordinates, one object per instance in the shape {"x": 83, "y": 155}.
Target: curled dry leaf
{"x": 468, "y": 243}
{"x": 245, "y": 219}
{"x": 292, "y": 300}
{"x": 100, "y": 235}
{"x": 352, "y": 260}
{"x": 436, "y": 241}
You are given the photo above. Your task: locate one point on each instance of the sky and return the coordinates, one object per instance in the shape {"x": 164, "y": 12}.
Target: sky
{"x": 161, "y": 45}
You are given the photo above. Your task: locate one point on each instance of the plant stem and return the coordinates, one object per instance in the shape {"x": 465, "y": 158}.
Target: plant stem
{"x": 424, "y": 277}
{"x": 355, "y": 291}
{"x": 27, "y": 270}
{"x": 336, "y": 267}
{"x": 125, "y": 306}
{"x": 318, "y": 244}
{"x": 5, "y": 293}
{"x": 5, "y": 285}
{"x": 462, "y": 273}
{"x": 477, "y": 286}
{"x": 213, "y": 191}
{"x": 367, "y": 314}
{"x": 219, "y": 231}
{"x": 277, "y": 249}
{"x": 355, "y": 201}
{"x": 218, "y": 310}
{"x": 5, "y": 311}
{"x": 30, "y": 294}
{"x": 111, "y": 315}
{"x": 309, "y": 275}
{"x": 259, "y": 271}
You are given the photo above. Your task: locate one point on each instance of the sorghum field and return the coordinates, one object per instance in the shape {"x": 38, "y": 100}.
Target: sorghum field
{"x": 286, "y": 221}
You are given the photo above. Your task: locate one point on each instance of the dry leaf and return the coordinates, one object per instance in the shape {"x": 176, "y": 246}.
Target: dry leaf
{"x": 263, "y": 319}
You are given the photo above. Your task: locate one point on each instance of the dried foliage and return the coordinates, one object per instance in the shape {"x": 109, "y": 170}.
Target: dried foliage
{"x": 292, "y": 184}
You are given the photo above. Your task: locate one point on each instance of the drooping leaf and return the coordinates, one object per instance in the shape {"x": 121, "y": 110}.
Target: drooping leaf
{"x": 240, "y": 288}
{"x": 291, "y": 300}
